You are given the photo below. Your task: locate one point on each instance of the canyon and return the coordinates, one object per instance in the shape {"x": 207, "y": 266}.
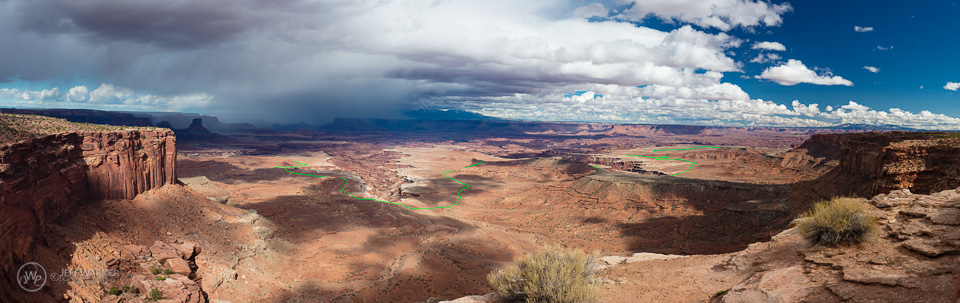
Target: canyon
{"x": 249, "y": 231}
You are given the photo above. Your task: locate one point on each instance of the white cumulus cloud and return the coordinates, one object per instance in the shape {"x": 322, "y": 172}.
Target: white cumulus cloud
{"x": 766, "y": 58}
{"x": 591, "y": 10}
{"x": 78, "y": 94}
{"x": 28, "y": 95}
{"x": 751, "y": 112}
{"x": 872, "y": 69}
{"x": 720, "y": 91}
{"x": 768, "y": 45}
{"x": 106, "y": 96}
{"x": 721, "y": 14}
{"x": 855, "y": 106}
{"x": 954, "y": 86}
{"x": 863, "y": 29}
{"x": 107, "y": 93}
{"x": 795, "y": 72}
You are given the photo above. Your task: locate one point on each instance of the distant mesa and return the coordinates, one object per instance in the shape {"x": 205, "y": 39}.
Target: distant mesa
{"x": 84, "y": 116}
{"x": 194, "y": 132}
{"x": 197, "y": 127}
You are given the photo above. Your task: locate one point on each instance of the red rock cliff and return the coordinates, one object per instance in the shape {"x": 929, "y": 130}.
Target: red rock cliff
{"x": 876, "y": 163}
{"x": 44, "y": 178}
{"x": 121, "y": 165}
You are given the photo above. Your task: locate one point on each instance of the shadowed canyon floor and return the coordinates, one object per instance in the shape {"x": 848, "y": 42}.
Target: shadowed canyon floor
{"x": 366, "y": 251}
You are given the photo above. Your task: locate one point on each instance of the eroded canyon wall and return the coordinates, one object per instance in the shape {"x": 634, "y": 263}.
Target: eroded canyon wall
{"x": 44, "y": 178}
{"x": 123, "y": 164}
{"x": 869, "y": 164}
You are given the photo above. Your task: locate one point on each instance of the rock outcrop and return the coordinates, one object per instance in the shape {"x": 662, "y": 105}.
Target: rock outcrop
{"x": 911, "y": 258}
{"x": 877, "y": 163}
{"x": 43, "y": 178}
{"x": 140, "y": 271}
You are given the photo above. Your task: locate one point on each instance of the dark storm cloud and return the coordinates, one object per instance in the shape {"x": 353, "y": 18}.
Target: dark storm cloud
{"x": 301, "y": 60}
{"x": 182, "y": 24}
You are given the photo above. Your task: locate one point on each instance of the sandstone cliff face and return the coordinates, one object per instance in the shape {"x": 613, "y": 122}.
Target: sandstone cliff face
{"x": 877, "y": 163}
{"x": 121, "y": 165}
{"x": 44, "y": 178}
{"x": 820, "y": 151}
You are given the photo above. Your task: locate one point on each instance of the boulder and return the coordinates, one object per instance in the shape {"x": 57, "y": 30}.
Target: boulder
{"x": 178, "y": 266}
{"x": 136, "y": 251}
{"x": 161, "y": 252}
{"x": 111, "y": 299}
{"x": 188, "y": 250}
{"x": 175, "y": 288}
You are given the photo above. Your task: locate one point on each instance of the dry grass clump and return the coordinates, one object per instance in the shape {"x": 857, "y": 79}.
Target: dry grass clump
{"x": 840, "y": 220}
{"x": 553, "y": 274}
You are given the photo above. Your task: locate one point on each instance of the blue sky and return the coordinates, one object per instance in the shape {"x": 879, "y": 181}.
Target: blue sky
{"x": 922, "y": 54}
{"x": 712, "y": 62}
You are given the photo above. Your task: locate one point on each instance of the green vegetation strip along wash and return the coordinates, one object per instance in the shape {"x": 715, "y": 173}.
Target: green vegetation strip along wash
{"x": 667, "y": 158}
{"x": 287, "y": 168}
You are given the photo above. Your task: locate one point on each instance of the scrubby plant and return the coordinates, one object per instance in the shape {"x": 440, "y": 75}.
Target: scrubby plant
{"x": 155, "y": 294}
{"x": 551, "y": 275}
{"x": 114, "y": 291}
{"x": 154, "y": 270}
{"x": 167, "y": 271}
{"x": 161, "y": 278}
{"x": 131, "y": 289}
{"x": 839, "y": 220}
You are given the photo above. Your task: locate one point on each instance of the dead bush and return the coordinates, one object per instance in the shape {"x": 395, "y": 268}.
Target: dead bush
{"x": 839, "y": 220}
{"x": 553, "y": 274}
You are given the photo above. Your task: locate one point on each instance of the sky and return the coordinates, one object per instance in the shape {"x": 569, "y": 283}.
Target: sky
{"x": 703, "y": 62}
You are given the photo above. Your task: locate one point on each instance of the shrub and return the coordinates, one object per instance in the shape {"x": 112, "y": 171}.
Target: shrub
{"x": 161, "y": 278}
{"x": 154, "y": 270}
{"x": 114, "y": 291}
{"x": 155, "y": 294}
{"x": 840, "y": 220}
{"x": 131, "y": 289}
{"x": 167, "y": 271}
{"x": 554, "y": 275}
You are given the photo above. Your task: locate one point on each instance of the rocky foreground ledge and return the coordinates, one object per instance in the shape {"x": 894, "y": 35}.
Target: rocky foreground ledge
{"x": 168, "y": 268}
{"x": 912, "y": 258}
